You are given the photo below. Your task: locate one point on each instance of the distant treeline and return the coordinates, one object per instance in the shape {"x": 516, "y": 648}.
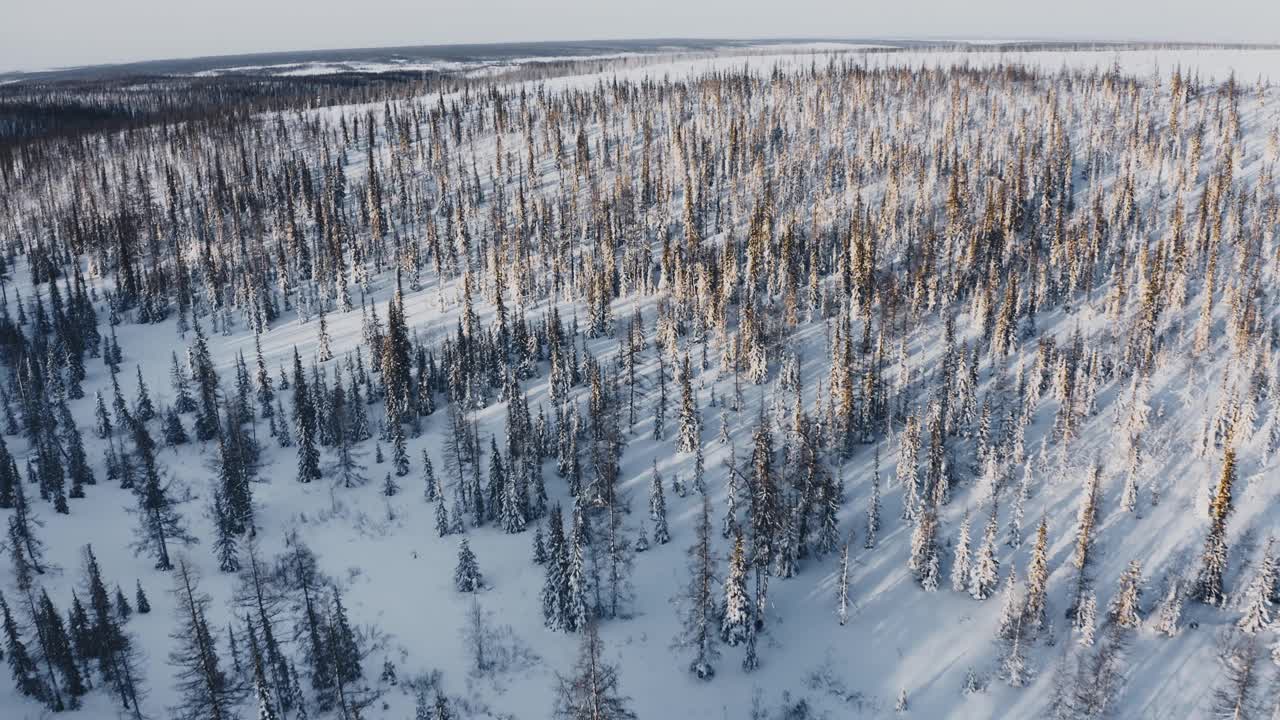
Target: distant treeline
{"x": 35, "y": 111}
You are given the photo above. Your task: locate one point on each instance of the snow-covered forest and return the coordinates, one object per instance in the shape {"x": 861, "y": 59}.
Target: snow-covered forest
{"x": 804, "y": 382}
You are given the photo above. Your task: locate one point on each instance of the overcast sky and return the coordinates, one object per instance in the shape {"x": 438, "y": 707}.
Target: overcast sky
{"x": 39, "y": 34}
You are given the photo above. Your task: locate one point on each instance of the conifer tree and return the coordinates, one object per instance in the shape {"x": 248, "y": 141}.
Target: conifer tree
{"x": 1086, "y": 519}
{"x": 206, "y": 377}
{"x": 1258, "y": 597}
{"x": 873, "y": 507}
{"x": 1213, "y": 561}
{"x": 660, "y": 407}
{"x": 466, "y": 576}
{"x": 736, "y": 616}
{"x": 554, "y": 588}
{"x": 262, "y": 692}
{"x": 430, "y": 492}
{"x": 182, "y": 400}
{"x": 205, "y": 690}
{"x": 57, "y": 655}
{"x": 960, "y": 559}
{"x": 1125, "y": 606}
{"x": 924, "y": 551}
{"x": 160, "y": 523}
{"x": 1236, "y": 695}
{"x": 143, "y": 407}
{"x": 842, "y": 586}
{"x": 592, "y": 692}
{"x": 140, "y": 601}
{"x": 690, "y": 424}
{"x": 26, "y": 675}
{"x": 574, "y": 611}
{"x": 1086, "y": 619}
{"x": 225, "y": 547}
{"x": 305, "y": 419}
{"x": 1170, "y": 615}
{"x": 986, "y": 569}
{"x": 658, "y": 509}
{"x": 698, "y": 610}
{"x": 1037, "y": 580}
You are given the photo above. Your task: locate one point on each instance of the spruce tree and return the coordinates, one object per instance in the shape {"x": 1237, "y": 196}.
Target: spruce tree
{"x": 141, "y": 602}
{"x": 160, "y": 523}
{"x": 986, "y": 570}
{"x": 26, "y": 675}
{"x": 960, "y": 566}
{"x": 690, "y": 424}
{"x": 1213, "y": 560}
{"x": 1258, "y": 596}
{"x": 304, "y": 418}
{"x": 206, "y": 377}
{"x": 698, "y": 635}
{"x": 466, "y": 576}
{"x": 1037, "y": 580}
{"x": 58, "y": 651}
{"x": 143, "y": 407}
{"x": 658, "y": 510}
{"x": 736, "y": 615}
{"x": 555, "y": 586}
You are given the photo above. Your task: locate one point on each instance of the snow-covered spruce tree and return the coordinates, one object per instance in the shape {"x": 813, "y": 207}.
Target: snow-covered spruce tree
{"x": 1213, "y": 560}
{"x": 1257, "y": 599}
{"x": 736, "y": 615}
{"x": 1125, "y": 606}
{"x": 225, "y": 547}
{"x": 1170, "y": 614}
{"x": 697, "y": 604}
{"x": 986, "y": 569}
{"x": 304, "y": 418}
{"x": 1013, "y": 662}
{"x": 182, "y": 400}
{"x": 1037, "y": 580}
{"x": 658, "y": 509}
{"x": 960, "y": 566}
{"x": 140, "y": 600}
{"x": 1086, "y": 520}
{"x": 555, "y": 585}
{"x": 923, "y": 561}
{"x": 908, "y": 466}
{"x": 575, "y": 612}
{"x": 466, "y": 575}
{"x": 430, "y": 489}
{"x": 690, "y": 423}
{"x": 511, "y": 503}
{"x": 766, "y": 516}
{"x": 1086, "y": 619}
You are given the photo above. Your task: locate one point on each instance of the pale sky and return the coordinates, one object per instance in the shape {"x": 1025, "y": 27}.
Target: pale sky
{"x": 41, "y": 34}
